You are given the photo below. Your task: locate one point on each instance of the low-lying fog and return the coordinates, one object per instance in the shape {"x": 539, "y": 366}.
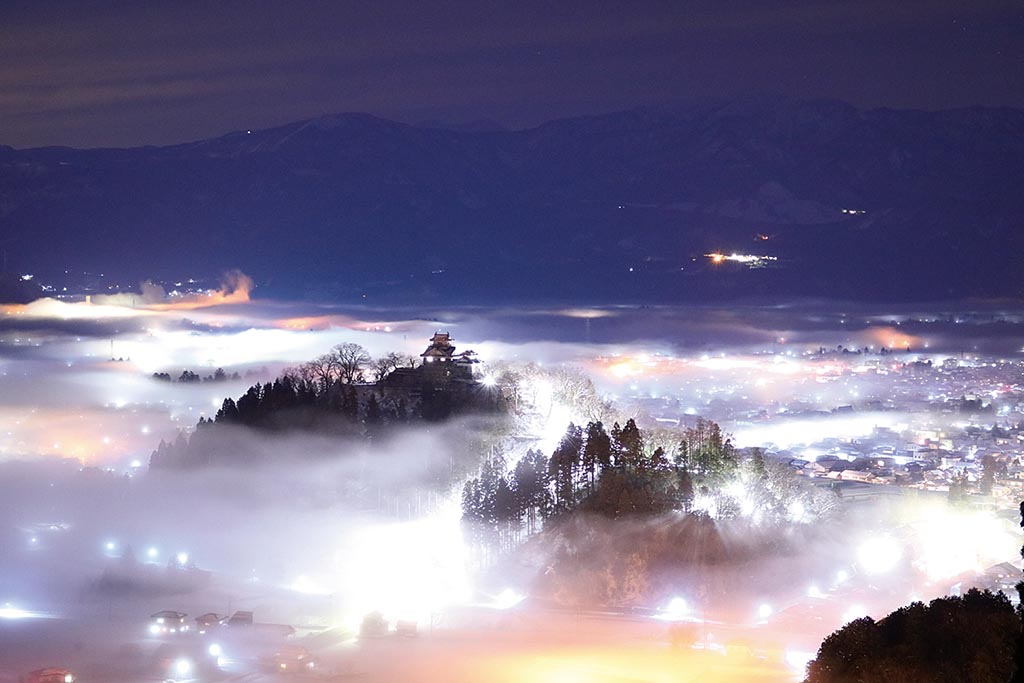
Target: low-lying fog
{"x": 319, "y": 531}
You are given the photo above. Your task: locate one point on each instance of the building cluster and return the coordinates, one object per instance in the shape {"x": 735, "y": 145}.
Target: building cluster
{"x": 879, "y": 420}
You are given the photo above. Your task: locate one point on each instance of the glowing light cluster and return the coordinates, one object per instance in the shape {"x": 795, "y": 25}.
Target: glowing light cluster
{"x": 748, "y": 260}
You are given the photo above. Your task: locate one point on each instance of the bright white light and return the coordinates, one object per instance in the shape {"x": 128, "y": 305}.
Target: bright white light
{"x": 842, "y": 575}
{"x": 814, "y": 592}
{"x": 405, "y": 570}
{"x": 948, "y": 543}
{"x": 307, "y": 587}
{"x": 677, "y": 609}
{"x": 879, "y": 554}
{"x": 507, "y": 599}
{"x": 798, "y": 661}
{"x": 489, "y": 380}
{"x": 764, "y": 611}
{"x": 110, "y": 546}
{"x": 151, "y": 553}
{"x": 10, "y": 612}
{"x": 796, "y": 510}
{"x": 707, "y": 504}
{"x": 135, "y": 464}
{"x": 182, "y": 667}
{"x": 855, "y": 612}
{"x": 182, "y": 558}
{"x": 800, "y": 432}
{"x": 154, "y": 629}
{"x": 215, "y": 650}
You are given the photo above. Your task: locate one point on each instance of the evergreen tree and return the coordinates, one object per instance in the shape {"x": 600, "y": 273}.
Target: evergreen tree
{"x": 531, "y": 484}
{"x": 631, "y": 446}
{"x": 597, "y": 453}
{"x": 564, "y": 465}
{"x": 616, "y": 445}
{"x": 228, "y": 412}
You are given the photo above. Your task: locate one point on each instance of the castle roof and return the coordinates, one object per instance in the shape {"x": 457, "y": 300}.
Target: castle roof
{"x": 440, "y": 346}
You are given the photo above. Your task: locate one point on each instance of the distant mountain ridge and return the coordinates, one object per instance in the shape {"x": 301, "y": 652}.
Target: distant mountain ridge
{"x": 862, "y": 204}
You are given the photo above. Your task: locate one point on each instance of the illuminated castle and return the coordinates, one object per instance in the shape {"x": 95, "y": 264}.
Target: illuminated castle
{"x": 440, "y": 365}
{"x": 441, "y": 349}
{"x": 440, "y": 358}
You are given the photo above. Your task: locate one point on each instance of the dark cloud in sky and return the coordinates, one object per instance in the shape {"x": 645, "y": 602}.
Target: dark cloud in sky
{"x": 127, "y": 73}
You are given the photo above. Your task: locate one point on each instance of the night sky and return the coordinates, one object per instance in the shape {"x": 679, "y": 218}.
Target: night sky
{"x": 128, "y": 73}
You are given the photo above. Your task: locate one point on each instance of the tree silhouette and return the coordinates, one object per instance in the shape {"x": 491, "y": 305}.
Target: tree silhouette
{"x": 352, "y": 360}
{"x": 973, "y": 638}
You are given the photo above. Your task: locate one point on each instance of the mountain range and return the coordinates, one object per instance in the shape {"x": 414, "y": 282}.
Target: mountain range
{"x": 886, "y": 205}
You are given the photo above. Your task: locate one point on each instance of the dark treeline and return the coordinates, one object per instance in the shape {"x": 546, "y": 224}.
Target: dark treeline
{"x": 977, "y": 637}
{"x": 953, "y": 639}
{"x": 329, "y": 395}
{"x": 189, "y": 377}
{"x": 612, "y": 473}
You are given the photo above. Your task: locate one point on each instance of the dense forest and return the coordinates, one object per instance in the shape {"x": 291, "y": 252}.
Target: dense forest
{"x": 623, "y": 472}
{"x": 621, "y": 515}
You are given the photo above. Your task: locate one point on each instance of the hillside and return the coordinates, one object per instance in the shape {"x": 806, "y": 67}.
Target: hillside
{"x": 619, "y": 207}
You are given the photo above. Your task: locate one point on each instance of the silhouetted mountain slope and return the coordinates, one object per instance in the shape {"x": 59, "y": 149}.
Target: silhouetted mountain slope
{"x": 350, "y": 204}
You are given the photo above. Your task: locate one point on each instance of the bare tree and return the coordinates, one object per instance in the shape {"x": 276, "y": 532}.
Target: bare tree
{"x": 351, "y": 360}
{"x": 385, "y": 365}
{"x": 325, "y": 370}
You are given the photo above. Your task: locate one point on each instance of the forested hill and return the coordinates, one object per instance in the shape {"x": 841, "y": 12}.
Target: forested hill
{"x": 878, "y": 204}
{"x": 331, "y": 396}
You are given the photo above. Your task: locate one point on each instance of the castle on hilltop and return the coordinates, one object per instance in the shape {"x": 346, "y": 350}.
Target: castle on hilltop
{"x": 440, "y": 365}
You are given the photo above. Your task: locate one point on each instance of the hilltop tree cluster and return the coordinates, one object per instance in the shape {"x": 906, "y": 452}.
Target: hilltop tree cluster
{"x": 625, "y": 472}
{"x": 327, "y": 395}
{"x": 621, "y": 511}
{"x": 613, "y": 473}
